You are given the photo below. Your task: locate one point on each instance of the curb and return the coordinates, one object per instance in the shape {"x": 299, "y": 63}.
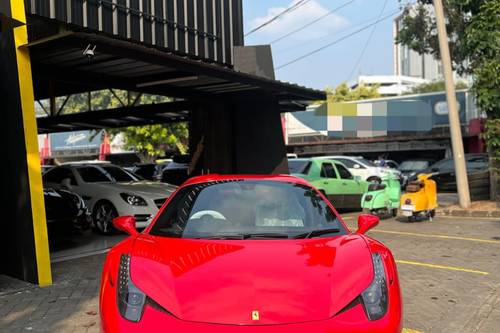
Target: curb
{"x": 468, "y": 213}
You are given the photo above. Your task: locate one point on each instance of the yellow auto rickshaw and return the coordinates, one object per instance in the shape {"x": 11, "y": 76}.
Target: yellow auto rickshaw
{"x": 420, "y": 199}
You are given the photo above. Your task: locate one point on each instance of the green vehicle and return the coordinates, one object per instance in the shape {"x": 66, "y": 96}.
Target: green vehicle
{"x": 331, "y": 178}
{"x": 383, "y": 199}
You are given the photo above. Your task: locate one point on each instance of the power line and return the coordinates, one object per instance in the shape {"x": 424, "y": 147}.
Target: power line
{"x": 289, "y": 9}
{"x": 336, "y": 41}
{"x": 366, "y": 44}
{"x": 312, "y": 22}
{"x": 314, "y": 40}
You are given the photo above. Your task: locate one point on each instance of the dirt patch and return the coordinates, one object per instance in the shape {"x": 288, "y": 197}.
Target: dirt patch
{"x": 478, "y": 205}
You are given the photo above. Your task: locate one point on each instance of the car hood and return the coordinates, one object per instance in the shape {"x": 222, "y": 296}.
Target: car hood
{"x": 144, "y": 188}
{"x": 220, "y": 281}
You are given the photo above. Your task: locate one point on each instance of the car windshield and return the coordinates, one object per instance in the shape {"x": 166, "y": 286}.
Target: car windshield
{"x": 413, "y": 165}
{"x": 365, "y": 162}
{"x": 247, "y": 209}
{"x": 107, "y": 174}
{"x": 298, "y": 166}
{"x": 119, "y": 174}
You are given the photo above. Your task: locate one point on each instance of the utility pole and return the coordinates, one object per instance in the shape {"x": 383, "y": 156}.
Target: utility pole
{"x": 454, "y": 118}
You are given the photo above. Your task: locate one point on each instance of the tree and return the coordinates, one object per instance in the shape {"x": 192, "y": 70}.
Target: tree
{"x": 153, "y": 140}
{"x": 419, "y": 32}
{"x": 474, "y": 31}
{"x": 434, "y": 87}
{"x": 342, "y": 93}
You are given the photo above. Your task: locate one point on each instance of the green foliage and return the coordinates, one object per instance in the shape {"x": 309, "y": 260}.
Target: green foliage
{"x": 482, "y": 44}
{"x": 434, "y": 87}
{"x": 342, "y": 93}
{"x": 153, "y": 140}
{"x": 418, "y": 29}
{"x": 492, "y": 137}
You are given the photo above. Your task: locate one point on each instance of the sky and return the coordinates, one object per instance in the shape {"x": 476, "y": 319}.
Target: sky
{"x": 334, "y": 64}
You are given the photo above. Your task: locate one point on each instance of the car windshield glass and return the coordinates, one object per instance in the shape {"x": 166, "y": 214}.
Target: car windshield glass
{"x": 298, "y": 166}
{"x": 244, "y": 209}
{"x": 413, "y": 165}
{"x": 118, "y": 174}
{"x": 91, "y": 174}
{"x": 365, "y": 162}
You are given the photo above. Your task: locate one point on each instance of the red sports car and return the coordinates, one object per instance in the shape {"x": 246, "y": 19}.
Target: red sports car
{"x": 249, "y": 254}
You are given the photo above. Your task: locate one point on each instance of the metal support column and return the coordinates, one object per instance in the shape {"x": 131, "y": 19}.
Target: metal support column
{"x": 23, "y": 241}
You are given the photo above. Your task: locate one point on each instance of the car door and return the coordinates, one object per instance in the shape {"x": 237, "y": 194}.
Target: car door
{"x": 330, "y": 183}
{"x": 351, "y": 188}
{"x": 355, "y": 168}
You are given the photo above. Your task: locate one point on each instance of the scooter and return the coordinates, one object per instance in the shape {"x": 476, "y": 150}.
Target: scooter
{"x": 382, "y": 199}
{"x": 420, "y": 199}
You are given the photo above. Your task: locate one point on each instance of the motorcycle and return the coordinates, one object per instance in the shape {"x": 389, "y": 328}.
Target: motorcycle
{"x": 382, "y": 199}
{"x": 420, "y": 199}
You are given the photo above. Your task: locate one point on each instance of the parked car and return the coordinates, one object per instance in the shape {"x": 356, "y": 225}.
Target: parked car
{"x": 148, "y": 171}
{"x": 363, "y": 168}
{"x": 410, "y": 168}
{"x": 444, "y": 170}
{"x": 110, "y": 191}
{"x": 249, "y": 254}
{"x": 176, "y": 172}
{"x": 46, "y": 168}
{"x": 388, "y": 164}
{"x": 332, "y": 179}
{"x": 66, "y": 212}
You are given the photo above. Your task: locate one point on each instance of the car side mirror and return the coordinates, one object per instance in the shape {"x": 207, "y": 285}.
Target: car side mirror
{"x": 66, "y": 184}
{"x": 126, "y": 224}
{"x": 356, "y": 166}
{"x": 366, "y": 222}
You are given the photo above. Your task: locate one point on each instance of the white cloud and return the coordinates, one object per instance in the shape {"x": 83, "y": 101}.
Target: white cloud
{"x": 298, "y": 18}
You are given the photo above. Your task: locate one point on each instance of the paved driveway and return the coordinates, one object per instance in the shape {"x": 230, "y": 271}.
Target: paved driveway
{"x": 449, "y": 271}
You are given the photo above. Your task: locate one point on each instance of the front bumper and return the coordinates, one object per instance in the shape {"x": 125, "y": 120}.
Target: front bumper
{"x": 347, "y": 322}
{"x": 353, "y": 320}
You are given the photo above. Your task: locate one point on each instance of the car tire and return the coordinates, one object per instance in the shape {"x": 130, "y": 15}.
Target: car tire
{"x": 103, "y": 214}
{"x": 374, "y": 179}
{"x": 394, "y": 212}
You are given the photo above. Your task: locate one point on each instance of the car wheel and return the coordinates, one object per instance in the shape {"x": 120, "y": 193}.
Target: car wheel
{"x": 374, "y": 179}
{"x": 394, "y": 212}
{"x": 104, "y": 213}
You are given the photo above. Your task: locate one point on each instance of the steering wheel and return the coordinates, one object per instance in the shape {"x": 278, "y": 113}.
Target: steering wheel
{"x": 203, "y": 214}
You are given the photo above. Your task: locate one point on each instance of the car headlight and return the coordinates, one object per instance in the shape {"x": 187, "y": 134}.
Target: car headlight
{"x": 130, "y": 299}
{"x": 133, "y": 200}
{"x": 375, "y": 297}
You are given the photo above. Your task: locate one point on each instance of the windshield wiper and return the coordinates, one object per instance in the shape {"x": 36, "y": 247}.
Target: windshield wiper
{"x": 318, "y": 232}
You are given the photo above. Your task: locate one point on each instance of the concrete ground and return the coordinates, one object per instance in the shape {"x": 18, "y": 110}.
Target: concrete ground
{"x": 449, "y": 271}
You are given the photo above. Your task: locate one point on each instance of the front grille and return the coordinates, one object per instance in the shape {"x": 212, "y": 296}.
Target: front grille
{"x": 159, "y": 202}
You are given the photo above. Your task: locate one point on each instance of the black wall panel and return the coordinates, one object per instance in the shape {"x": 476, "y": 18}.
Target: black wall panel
{"x": 205, "y": 29}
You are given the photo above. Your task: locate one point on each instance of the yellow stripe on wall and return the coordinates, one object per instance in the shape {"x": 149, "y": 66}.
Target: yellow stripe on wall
{"x": 31, "y": 140}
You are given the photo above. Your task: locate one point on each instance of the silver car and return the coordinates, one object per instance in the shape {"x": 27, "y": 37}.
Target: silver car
{"x": 110, "y": 191}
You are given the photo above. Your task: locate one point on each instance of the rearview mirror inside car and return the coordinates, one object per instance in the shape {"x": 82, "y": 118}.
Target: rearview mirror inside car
{"x": 366, "y": 222}
{"x": 126, "y": 224}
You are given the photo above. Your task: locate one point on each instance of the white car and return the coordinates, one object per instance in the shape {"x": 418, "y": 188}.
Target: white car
{"x": 110, "y": 191}
{"x": 362, "y": 167}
